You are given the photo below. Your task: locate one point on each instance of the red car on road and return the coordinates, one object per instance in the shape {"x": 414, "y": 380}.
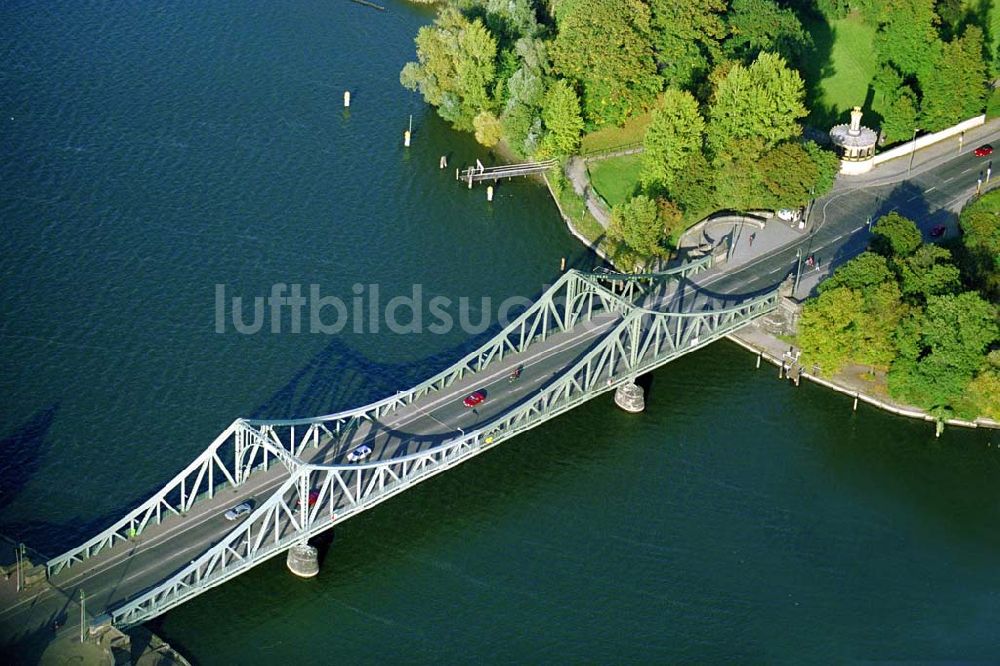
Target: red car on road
{"x": 313, "y": 498}
{"x": 474, "y": 398}
{"x": 983, "y": 150}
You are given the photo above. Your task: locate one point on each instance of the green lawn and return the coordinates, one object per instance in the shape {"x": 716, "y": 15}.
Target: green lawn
{"x": 611, "y": 137}
{"x": 616, "y": 178}
{"x": 839, "y": 69}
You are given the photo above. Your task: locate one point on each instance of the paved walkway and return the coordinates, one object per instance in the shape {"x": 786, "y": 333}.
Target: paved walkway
{"x": 576, "y": 172}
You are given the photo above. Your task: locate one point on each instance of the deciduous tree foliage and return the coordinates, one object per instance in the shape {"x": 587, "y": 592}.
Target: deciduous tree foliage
{"x": 563, "y": 124}
{"x": 636, "y": 223}
{"x": 605, "y": 46}
{"x": 941, "y": 350}
{"x": 675, "y": 132}
{"x": 928, "y": 272}
{"x": 907, "y": 35}
{"x": 955, "y": 87}
{"x": 761, "y": 25}
{"x": 865, "y": 270}
{"x": 687, "y": 37}
{"x": 895, "y": 236}
{"x": 828, "y": 329}
{"x": 760, "y": 104}
{"x": 455, "y": 67}
{"x": 794, "y": 173}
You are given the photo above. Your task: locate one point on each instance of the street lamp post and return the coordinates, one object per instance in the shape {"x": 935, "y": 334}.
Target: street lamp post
{"x": 913, "y": 150}
{"x": 18, "y": 556}
{"x": 798, "y": 271}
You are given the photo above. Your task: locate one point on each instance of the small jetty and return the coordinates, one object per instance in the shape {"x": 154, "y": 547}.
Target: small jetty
{"x": 480, "y": 173}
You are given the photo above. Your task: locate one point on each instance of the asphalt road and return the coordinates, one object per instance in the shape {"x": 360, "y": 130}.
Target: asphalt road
{"x": 837, "y": 230}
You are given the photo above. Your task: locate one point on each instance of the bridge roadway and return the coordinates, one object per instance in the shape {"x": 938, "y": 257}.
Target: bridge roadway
{"x": 117, "y": 574}
{"x": 838, "y": 232}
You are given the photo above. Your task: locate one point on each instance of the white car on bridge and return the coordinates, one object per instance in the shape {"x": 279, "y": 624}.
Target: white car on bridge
{"x": 359, "y": 453}
{"x": 238, "y": 511}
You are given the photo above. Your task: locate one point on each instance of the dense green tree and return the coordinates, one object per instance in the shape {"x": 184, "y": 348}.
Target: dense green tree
{"x": 671, "y": 220}
{"x": 755, "y": 108}
{"x": 605, "y": 47}
{"x": 637, "y": 224}
{"x": 487, "y": 129}
{"x": 929, "y": 271}
{"x": 455, "y": 68}
{"x": 907, "y": 35}
{"x": 761, "y": 25}
{"x": 899, "y": 116}
{"x": 675, "y": 132}
{"x": 865, "y": 270}
{"x": 687, "y": 37}
{"x": 980, "y": 224}
{"x": 828, "y": 329}
{"x": 561, "y": 116}
{"x": 881, "y": 313}
{"x": 945, "y": 349}
{"x": 895, "y": 236}
{"x": 739, "y": 183}
{"x": 984, "y": 390}
{"x": 794, "y": 173}
{"x": 694, "y": 189}
{"x": 955, "y": 87}
{"x": 521, "y": 119}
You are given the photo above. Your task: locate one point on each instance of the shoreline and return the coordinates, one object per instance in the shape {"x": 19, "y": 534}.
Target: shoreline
{"x": 769, "y": 349}
{"x": 768, "y": 353}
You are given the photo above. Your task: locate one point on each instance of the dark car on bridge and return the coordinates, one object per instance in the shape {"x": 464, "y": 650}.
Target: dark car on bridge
{"x": 984, "y": 150}
{"x": 474, "y": 398}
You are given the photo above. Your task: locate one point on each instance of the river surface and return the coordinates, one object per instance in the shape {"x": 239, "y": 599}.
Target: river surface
{"x": 155, "y": 153}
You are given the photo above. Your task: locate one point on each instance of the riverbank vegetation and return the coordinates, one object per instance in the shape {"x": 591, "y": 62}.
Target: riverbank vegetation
{"x": 924, "y": 314}
{"x": 713, "y": 89}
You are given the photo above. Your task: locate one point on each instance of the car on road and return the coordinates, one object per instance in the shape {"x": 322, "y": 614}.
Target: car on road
{"x": 359, "y": 453}
{"x": 238, "y": 511}
{"x": 938, "y": 231}
{"x": 789, "y": 214}
{"x": 983, "y": 150}
{"x": 313, "y": 498}
{"x": 474, "y": 398}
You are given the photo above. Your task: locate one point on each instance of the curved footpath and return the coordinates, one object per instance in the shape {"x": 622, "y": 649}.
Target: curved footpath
{"x": 943, "y": 167}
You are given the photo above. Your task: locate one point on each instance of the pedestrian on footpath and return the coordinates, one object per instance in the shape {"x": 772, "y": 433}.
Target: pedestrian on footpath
{"x": 752, "y": 236}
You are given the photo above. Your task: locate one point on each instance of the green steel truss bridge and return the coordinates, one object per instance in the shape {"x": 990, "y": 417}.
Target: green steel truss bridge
{"x": 588, "y": 334}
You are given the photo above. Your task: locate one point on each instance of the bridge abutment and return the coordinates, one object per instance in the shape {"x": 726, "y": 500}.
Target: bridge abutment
{"x": 630, "y": 398}
{"x": 303, "y": 560}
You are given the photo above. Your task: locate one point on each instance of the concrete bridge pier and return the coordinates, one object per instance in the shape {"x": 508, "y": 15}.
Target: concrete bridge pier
{"x": 303, "y": 560}
{"x": 629, "y": 397}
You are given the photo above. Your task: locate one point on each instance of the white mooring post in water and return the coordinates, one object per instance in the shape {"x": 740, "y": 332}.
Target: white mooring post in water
{"x": 408, "y": 133}
{"x": 347, "y": 99}
{"x": 489, "y": 193}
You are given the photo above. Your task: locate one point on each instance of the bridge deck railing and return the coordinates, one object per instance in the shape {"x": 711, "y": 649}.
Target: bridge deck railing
{"x": 641, "y": 341}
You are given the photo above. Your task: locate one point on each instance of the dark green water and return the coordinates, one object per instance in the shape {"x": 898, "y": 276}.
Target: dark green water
{"x": 156, "y": 151}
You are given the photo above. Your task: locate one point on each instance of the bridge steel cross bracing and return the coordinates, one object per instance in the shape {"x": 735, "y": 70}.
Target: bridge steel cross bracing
{"x": 633, "y": 336}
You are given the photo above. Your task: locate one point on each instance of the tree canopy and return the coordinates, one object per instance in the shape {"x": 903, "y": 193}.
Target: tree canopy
{"x": 757, "y": 106}
{"x": 455, "y": 67}
{"x": 675, "y": 132}
{"x": 605, "y": 47}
